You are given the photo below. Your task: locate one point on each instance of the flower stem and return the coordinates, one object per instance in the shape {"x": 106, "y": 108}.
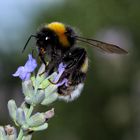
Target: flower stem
{"x": 20, "y": 135}
{"x": 30, "y": 111}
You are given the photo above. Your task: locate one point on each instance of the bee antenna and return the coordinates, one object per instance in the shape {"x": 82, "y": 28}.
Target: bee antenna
{"x": 31, "y": 36}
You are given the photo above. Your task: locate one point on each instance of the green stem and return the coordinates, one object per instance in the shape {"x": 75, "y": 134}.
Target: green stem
{"x": 20, "y": 135}
{"x": 30, "y": 111}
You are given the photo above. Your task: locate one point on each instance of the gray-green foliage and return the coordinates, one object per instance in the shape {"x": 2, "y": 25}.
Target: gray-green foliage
{"x": 37, "y": 91}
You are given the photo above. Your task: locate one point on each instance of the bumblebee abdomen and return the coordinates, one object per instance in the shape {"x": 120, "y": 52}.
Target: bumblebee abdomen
{"x": 70, "y": 93}
{"x": 84, "y": 66}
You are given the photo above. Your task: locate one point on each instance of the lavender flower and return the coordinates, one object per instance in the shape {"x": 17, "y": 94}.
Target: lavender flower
{"x": 38, "y": 90}
{"x": 65, "y": 81}
{"x": 61, "y": 69}
{"x": 24, "y": 72}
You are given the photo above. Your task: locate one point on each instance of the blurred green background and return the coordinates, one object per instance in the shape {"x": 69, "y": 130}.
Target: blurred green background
{"x": 109, "y": 106}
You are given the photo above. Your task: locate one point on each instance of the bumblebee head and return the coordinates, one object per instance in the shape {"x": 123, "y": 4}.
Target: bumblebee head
{"x": 46, "y": 37}
{"x": 56, "y": 34}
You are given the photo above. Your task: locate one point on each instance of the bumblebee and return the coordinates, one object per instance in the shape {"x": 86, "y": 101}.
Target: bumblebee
{"x": 58, "y": 42}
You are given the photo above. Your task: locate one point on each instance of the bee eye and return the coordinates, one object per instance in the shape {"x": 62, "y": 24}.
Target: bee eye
{"x": 46, "y": 38}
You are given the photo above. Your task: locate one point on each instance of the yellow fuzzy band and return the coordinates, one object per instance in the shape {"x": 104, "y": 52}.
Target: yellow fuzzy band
{"x": 84, "y": 67}
{"x": 59, "y": 29}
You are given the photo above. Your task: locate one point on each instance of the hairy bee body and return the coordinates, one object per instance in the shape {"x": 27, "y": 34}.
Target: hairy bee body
{"x": 57, "y": 42}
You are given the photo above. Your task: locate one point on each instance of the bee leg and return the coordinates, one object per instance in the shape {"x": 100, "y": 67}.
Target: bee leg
{"x": 42, "y": 58}
{"x": 59, "y": 80}
{"x": 79, "y": 78}
{"x": 45, "y": 69}
{"x": 33, "y": 50}
{"x": 72, "y": 64}
{"x": 44, "y": 62}
{"x": 42, "y": 73}
{"x": 54, "y": 83}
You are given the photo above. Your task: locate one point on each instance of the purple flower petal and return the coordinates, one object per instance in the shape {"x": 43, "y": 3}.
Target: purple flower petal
{"x": 27, "y": 77}
{"x": 61, "y": 69}
{"x": 24, "y": 72}
{"x": 30, "y": 64}
{"x": 65, "y": 81}
{"x": 19, "y": 71}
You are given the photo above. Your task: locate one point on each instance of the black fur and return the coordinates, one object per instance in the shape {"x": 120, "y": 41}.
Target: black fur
{"x": 74, "y": 61}
{"x": 52, "y": 48}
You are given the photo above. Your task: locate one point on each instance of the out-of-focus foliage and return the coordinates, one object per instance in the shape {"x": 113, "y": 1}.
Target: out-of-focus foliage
{"x": 109, "y": 107}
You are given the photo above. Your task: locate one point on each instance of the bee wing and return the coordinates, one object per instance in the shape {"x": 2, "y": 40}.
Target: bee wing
{"x": 106, "y": 47}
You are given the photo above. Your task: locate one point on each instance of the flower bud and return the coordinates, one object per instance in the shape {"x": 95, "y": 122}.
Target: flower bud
{"x": 25, "y": 107}
{"x": 12, "y": 108}
{"x": 40, "y": 128}
{"x": 20, "y": 116}
{"x": 36, "y": 99}
{"x": 52, "y": 88}
{"x": 27, "y": 88}
{"x": 49, "y": 99}
{"x": 39, "y": 97}
{"x": 49, "y": 114}
{"x": 2, "y": 133}
{"x": 11, "y": 132}
{"x": 36, "y": 120}
{"x": 28, "y": 100}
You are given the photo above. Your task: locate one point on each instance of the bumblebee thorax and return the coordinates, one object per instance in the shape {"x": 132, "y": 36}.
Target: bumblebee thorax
{"x": 65, "y": 33}
{"x": 59, "y": 29}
